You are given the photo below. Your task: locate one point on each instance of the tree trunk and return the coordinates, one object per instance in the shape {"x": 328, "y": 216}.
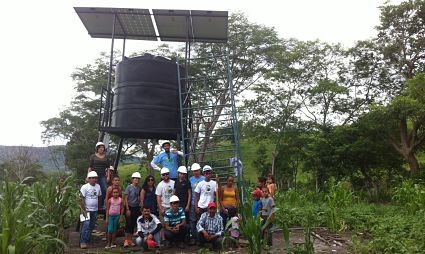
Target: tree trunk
{"x": 274, "y": 155}
{"x": 413, "y": 163}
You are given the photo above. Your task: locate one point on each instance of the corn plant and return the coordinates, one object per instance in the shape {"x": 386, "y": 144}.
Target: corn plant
{"x": 410, "y": 196}
{"x": 251, "y": 229}
{"x": 56, "y": 203}
{"x": 338, "y": 196}
{"x": 308, "y": 224}
{"x": 21, "y": 230}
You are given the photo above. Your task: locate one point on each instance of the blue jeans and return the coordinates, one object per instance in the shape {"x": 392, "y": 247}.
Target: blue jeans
{"x": 88, "y": 227}
{"x": 192, "y": 221}
{"x": 103, "y": 186}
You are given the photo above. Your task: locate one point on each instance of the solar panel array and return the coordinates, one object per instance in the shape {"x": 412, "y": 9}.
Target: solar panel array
{"x": 139, "y": 24}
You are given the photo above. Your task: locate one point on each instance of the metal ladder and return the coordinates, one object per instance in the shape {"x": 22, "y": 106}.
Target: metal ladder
{"x": 206, "y": 100}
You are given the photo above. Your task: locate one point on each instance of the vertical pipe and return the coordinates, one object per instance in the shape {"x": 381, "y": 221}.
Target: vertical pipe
{"x": 117, "y": 159}
{"x": 123, "y": 48}
{"x": 182, "y": 125}
{"x": 106, "y": 113}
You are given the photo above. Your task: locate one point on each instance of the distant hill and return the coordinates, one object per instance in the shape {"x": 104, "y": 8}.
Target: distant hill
{"x": 43, "y": 155}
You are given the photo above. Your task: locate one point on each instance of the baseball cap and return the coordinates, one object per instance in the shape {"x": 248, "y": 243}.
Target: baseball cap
{"x": 257, "y": 193}
{"x": 211, "y": 204}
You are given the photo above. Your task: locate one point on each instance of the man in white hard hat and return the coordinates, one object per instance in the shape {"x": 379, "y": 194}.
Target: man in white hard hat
{"x": 90, "y": 194}
{"x": 176, "y": 228}
{"x": 168, "y": 158}
{"x": 194, "y": 180}
{"x": 163, "y": 192}
{"x": 205, "y": 191}
{"x": 183, "y": 191}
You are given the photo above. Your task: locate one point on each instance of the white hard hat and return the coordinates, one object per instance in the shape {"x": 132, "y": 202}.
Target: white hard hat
{"x": 92, "y": 174}
{"x": 182, "y": 169}
{"x": 174, "y": 198}
{"x": 111, "y": 168}
{"x": 99, "y": 144}
{"x": 165, "y": 142}
{"x": 195, "y": 166}
{"x": 136, "y": 175}
{"x": 164, "y": 170}
{"x": 206, "y": 168}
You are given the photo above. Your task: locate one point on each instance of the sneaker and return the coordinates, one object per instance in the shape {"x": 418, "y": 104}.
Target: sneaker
{"x": 83, "y": 245}
{"x": 131, "y": 244}
{"x": 192, "y": 242}
{"x": 113, "y": 246}
{"x": 180, "y": 245}
{"x": 126, "y": 243}
{"x": 165, "y": 243}
{"x": 108, "y": 246}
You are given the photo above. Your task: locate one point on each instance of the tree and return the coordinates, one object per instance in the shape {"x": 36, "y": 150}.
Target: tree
{"x": 404, "y": 121}
{"x": 248, "y": 49}
{"x": 260, "y": 162}
{"x": 21, "y": 163}
{"x": 401, "y": 41}
{"x": 78, "y": 123}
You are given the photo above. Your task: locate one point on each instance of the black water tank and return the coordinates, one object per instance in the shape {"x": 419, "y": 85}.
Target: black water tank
{"x": 146, "y": 98}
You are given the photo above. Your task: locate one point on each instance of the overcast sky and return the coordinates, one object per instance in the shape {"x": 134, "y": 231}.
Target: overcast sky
{"x": 44, "y": 41}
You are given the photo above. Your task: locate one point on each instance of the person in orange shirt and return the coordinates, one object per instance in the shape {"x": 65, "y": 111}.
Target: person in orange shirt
{"x": 228, "y": 198}
{"x": 271, "y": 186}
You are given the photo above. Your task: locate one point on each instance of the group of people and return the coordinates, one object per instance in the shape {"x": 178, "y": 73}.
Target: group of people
{"x": 177, "y": 210}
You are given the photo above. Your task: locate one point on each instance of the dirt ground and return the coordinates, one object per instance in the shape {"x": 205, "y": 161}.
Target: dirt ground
{"x": 323, "y": 242}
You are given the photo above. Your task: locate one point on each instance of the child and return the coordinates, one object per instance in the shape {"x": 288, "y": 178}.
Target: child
{"x": 257, "y": 205}
{"x": 234, "y": 228}
{"x": 115, "y": 185}
{"x": 266, "y": 211}
{"x": 90, "y": 194}
{"x": 132, "y": 203}
{"x": 114, "y": 210}
{"x": 271, "y": 186}
{"x": 148, "y": 230}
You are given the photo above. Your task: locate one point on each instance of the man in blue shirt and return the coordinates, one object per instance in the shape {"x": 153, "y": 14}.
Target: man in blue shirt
{"x": 169, "y": 158}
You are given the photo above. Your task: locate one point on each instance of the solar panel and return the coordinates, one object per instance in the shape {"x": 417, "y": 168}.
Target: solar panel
{"x": 172, "y": 25}
{"x": 130, "y": 23}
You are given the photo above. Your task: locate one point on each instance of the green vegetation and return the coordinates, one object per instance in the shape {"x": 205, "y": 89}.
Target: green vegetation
{"x": 376, "y": 228}
{"x": 33, "y": 218}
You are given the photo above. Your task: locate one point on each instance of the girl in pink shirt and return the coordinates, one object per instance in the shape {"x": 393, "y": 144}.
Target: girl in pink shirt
{"x": 114, "y": 210}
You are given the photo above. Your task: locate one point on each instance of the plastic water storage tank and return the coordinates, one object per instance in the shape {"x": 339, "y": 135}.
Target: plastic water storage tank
{"x": 146, "y": 98}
